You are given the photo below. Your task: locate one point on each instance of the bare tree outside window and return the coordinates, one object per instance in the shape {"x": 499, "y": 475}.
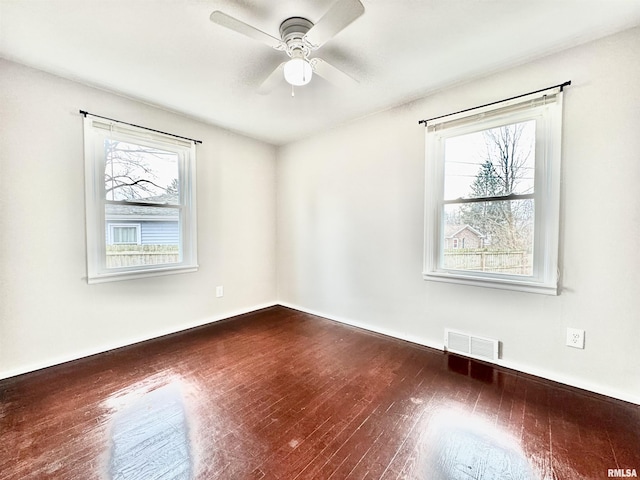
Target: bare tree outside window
{"x": 140, "y": 183}
{"x": 489, "y": 182}
{"x": 507, "y": 169}
{"x": 135, "y": 172}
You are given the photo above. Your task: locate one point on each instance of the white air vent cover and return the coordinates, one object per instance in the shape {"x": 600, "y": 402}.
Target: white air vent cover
{"x": 469, "y": 345}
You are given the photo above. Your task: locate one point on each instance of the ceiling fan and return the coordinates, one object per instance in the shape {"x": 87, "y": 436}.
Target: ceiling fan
{"x": 300, "y": 37}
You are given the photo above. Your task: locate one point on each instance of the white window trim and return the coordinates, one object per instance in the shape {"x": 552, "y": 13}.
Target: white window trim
{"x": 95, "y": 131}
{"x": 547, "y": 192}
{"x": 137, "y": 226}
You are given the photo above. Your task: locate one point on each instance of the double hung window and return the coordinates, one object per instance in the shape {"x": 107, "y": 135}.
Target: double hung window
{"x": 493, "y": 193}
{"x": 140, "y": 202}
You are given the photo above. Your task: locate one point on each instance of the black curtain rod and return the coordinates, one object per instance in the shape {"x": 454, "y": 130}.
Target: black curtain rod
{"x": 561, "y": 85}
{"x": 85, "y": 113}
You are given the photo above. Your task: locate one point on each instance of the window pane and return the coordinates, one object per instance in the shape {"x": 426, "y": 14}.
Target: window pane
{"x": 494, "y": 237}
{"x": 137, "y": 172}
{"x": 159, "y": 236}
{"x": 494, "y": 162}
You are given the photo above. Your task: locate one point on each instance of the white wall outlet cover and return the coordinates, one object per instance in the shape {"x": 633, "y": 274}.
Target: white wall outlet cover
{"x": 219, "y": 291}
{"x": 575, "y": 337}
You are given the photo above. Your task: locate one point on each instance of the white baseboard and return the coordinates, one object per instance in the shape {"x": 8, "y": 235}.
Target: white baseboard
{"x": 125, "y": 343}
{"x": 364, "y": 326}
{"x": 553, "y": 376}
{"x": 572, "y": 382}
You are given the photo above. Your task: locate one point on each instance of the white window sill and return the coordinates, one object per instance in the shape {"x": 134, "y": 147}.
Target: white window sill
{"x": 135, "y": 274}
{"x": 499, "y": 283}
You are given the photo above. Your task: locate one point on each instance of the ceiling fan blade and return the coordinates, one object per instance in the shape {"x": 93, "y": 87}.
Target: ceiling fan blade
{"x": 332, "y": 74}
{"x": 339, "y": 16}
{"x": 272, "y": 80}
{"x": 234, "y": 24}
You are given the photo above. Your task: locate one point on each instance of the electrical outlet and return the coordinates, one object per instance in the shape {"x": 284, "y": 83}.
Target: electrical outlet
{"x": 575, "y": 338}
{"x": 220, "y": 291}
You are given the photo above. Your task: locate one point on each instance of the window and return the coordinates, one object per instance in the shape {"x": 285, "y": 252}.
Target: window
{"x": 124, "y": 234}
{"x": 140, "y": 202}
{"x": 493, "y": 181}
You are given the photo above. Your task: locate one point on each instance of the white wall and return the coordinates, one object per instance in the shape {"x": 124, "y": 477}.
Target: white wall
{"x": 48, "y": 313}
{"x": 350, "y": 225}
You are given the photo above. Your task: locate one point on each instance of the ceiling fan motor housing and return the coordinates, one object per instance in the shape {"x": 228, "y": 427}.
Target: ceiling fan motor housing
{"x": 292, "y": 32}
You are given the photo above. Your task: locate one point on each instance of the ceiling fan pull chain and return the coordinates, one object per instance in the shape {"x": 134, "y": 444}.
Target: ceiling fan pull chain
{"x": 293, "y": 93}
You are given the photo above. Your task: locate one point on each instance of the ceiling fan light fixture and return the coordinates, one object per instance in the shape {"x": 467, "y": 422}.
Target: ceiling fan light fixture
{"x": 298, "y": 72}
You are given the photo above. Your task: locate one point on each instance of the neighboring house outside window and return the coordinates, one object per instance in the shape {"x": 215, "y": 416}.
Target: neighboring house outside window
{"x": 162, "y": 228}
{"x": 462, "y": 236}
{"x": 493, "y": 195}
{"x": 140, "y": 191}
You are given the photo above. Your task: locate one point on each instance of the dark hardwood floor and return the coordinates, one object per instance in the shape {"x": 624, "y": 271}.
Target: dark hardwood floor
{"x": 279, "y": 394}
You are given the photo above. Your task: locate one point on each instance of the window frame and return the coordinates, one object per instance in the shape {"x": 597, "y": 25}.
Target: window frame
{"x": 544, "y": 107}
{"x": 96, "y": 130}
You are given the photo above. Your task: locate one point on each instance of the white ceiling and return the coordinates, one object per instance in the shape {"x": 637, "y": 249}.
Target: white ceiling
{"x": 168, "y": 53}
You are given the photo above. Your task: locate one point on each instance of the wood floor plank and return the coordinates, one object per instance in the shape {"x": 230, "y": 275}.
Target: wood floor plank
{"x": 281, "y": 395}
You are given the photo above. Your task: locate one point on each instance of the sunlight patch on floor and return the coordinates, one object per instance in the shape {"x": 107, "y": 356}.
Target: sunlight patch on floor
{"x": 150, "y": 438}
